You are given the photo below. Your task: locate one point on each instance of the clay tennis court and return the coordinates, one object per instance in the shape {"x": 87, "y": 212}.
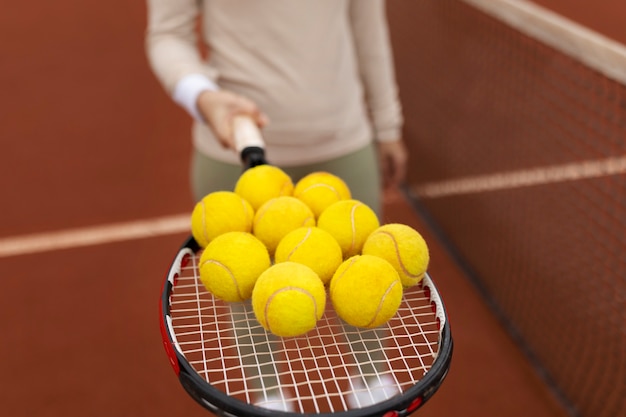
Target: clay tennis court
{"x": 94, "y": 169}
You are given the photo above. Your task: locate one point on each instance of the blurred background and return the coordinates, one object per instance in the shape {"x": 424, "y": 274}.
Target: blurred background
{"x": 516, "y": 123}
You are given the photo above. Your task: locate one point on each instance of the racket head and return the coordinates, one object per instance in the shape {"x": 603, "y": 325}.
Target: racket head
{"x": 181, "y": 286}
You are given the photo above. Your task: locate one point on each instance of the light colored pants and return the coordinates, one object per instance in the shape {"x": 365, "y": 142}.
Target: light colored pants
{"x": 359, "y": 170}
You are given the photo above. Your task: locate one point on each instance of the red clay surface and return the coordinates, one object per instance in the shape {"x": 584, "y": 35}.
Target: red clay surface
{"x": 88, "y": 138}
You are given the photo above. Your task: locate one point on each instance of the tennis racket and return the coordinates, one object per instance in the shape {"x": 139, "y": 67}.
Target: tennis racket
{"x": 334, "y": 370}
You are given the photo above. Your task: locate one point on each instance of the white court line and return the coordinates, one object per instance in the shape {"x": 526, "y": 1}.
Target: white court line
{"x": 118, "y": 232}
{"x": 522, "y": 178}
{"x": 97, "y": 235}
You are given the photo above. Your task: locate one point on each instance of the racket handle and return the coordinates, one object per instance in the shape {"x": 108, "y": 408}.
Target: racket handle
{"x": 249, "y": 142}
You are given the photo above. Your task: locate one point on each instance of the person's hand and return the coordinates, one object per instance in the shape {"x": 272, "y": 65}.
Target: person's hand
{"x": 219, "y": 109}
{"x": 393, "y": 157}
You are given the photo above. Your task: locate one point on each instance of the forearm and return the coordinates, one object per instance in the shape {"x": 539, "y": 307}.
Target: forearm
{"x": 376, "y": 66}
{"x": 171, "y": 42}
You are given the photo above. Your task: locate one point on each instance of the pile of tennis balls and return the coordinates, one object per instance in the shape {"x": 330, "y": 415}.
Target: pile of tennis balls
{"x": 286, "y": 246}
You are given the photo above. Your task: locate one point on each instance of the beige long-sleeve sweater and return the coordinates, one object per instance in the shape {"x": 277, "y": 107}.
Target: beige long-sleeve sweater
{"x": 322, "y": 70}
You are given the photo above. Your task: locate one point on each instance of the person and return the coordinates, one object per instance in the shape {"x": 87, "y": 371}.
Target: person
{"x": 317, "y": 76}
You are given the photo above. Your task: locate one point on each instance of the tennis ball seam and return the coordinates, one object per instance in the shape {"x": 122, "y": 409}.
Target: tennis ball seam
{"x": 205, "y": 231}
{"x": 269, "y": 300}
{"x": 230, "y": 273}
{"x": 299, "y": 244}
{"x": 327, "y": 186}
{"x": 353, "y": 224}
{"x": 285, "y": 186}
{"x": 261, "y": 211}
{"x": 265, "y": 207}
{"x": 381, "y": 303}
{"x": 248, "y": 214}
{"x": 398, "y": 257}
{"x": 345, "y": 269}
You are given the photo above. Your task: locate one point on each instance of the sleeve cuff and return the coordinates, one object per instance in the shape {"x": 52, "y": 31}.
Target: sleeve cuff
{"x": 389, "y": 135}
{"x": 189, "y": 88}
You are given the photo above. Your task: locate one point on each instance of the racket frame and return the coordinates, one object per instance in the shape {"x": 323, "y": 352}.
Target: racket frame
{"x": 223, "y": 405}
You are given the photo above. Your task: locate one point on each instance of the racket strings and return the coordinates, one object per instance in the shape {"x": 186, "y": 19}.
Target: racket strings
{"x": 315, "y": 372}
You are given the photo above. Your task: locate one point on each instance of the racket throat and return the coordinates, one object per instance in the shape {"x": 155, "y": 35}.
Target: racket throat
{"x": 253, "y": 156}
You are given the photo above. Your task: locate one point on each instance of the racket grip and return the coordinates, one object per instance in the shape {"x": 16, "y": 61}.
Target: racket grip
{"x": 249, "y": 142}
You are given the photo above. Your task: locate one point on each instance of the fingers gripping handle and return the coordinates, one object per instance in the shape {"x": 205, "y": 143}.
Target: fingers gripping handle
{"x": 249, "y": 142}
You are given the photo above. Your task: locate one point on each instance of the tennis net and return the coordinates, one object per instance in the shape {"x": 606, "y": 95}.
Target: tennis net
{"x": 518, "y": 127}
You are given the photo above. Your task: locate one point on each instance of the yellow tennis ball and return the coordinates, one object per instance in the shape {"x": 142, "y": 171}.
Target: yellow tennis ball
{"x": 313, "y": 247}
{"x": 279, "y": 216}
{"x": 289, "y": 299}
{"x": 231, "y": 264}
{"x": 220, "y": 212}
{"x": 263, "y": 182}
{"x": 350, "y": 222}
{"x": 321, "y": 189}
{"x": 403, "y": 247}
{"x": 366, "y": 291}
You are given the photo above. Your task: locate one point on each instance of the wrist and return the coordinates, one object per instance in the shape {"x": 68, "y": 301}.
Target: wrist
{"x": 188, "y": 91}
